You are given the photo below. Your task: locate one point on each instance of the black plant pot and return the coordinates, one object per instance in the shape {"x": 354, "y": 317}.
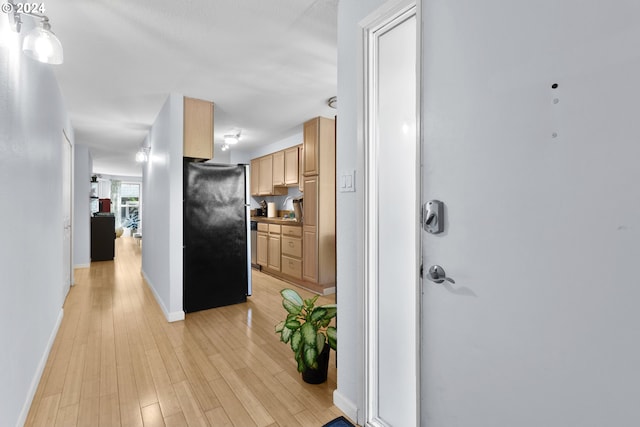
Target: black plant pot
{"x": 318, "y": 376}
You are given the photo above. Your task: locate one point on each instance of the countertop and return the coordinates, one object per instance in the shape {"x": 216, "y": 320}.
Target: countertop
{"x": 276, "y": 221}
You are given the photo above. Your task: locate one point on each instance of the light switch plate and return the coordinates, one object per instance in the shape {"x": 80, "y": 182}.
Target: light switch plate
{"x": 347, "y": 182}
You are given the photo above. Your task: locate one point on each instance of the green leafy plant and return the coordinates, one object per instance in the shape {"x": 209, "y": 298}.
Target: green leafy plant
{"x": 306, "y": 328}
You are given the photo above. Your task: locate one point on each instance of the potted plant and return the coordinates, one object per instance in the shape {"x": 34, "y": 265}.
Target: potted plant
{"x": 307, "y": 330}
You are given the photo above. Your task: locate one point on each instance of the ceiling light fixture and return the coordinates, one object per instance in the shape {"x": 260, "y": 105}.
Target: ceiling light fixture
{"x": 232, "y": 138}
{"x": 40, "y": 43}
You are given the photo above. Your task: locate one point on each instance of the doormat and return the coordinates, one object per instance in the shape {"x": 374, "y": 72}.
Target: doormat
{"x": 339, "y": 422}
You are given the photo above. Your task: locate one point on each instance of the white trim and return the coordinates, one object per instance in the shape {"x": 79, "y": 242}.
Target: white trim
{"x": 38, "y": 374}
{"x": 349, "y": 408}
{"x": 379, "y": 22}
{"x": 175, "y": 316}
{"x": 82, "y": 266}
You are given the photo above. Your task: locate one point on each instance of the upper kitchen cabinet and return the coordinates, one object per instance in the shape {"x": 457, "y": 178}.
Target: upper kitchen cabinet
{"x": 255, "y": 177}
{"x": 265, "y": 177}
{"x": 198, "y": 128}
{"x": 319, "y": 145}
{"x": 291, "y": 166}
{"x": 278, "y": 168}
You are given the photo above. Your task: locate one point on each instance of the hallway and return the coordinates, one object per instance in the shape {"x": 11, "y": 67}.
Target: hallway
{"x": 117, "y": 361}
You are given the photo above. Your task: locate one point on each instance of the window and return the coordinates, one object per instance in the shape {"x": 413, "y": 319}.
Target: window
{"x": 130, "y": 205}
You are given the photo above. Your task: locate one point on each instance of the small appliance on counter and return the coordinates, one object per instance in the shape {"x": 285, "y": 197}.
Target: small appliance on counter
{"x": 297, "y": 208}
{"x": 262, "y": 210}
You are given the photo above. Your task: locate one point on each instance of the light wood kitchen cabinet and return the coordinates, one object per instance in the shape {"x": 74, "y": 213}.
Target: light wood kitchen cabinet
{"x": 310, "y": 202}
{"x": 277, "y": 176}
{"x": 264, "y": 166}
{"x": 198, "y": 129}
{"x": 255, "y": 177}
{"x": 274, "y": 247}
{"x": 262, "y": 250}
{"x": 265, "y": 184}
{"x": 319, "y": 145}
{"x": 291, "y": 246}
{"x": 310, "y": 132}
{"x": 310, "y": 258}
{"x": 300, "y": 168}
{"x": 319, "y": 223}
{"x": 291, "y": 166}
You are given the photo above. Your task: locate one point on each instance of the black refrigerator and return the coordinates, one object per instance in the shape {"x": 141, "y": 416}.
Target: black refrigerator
{"x": 217, "y": 263}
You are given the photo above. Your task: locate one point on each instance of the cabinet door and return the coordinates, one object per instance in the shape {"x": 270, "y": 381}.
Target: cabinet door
{"x": 310, "y": 254}
{"x": 274, "y": 252}
{"x": 277, "y": 177}
{"x": 265, "y": 185}
{"x": 262, "y": 251}
{"x": 198, "y": 128}
{"x": 311, "y": 135}
{"x": 291, "y": 166}
{"x": 310, "y": 203}
{"x": 255, "y": 177}
{"x": 301, "y": 168}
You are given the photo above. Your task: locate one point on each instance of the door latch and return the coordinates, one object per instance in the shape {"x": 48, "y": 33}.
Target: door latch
{"x": 433, "y": 216}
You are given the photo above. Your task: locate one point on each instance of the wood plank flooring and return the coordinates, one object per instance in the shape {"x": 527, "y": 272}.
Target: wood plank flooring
{"x": 116, "y": 361}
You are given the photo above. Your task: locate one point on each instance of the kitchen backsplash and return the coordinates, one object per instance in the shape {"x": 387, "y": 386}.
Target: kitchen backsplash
{"x": 282, "y": 202}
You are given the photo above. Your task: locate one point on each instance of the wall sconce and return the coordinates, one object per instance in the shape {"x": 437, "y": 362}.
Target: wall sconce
{"x": 40, "y": 43}
{"x": 142, "y": 156}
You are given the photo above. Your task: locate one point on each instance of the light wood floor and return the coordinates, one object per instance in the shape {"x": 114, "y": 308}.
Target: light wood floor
{"x": 117, "y": 361}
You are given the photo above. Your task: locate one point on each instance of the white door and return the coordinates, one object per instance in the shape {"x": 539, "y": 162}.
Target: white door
{"x": 392, "y": 211}
{"x": 67, "y": 266}
{"x": 533, "y": 148}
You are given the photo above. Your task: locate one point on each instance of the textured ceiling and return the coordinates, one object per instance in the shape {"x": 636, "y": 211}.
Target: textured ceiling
{"x": 268, "y": 65}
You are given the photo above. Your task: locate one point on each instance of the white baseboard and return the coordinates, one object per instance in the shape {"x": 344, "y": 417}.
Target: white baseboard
{"x": 82, "y": 266}
{"x": 345, "y": 405}
{"x": 175, "y": 316}
{"x": 38, "y": 374}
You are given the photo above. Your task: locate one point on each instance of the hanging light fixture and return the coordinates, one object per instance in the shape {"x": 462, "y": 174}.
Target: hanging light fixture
{"x": 40, "y": 43}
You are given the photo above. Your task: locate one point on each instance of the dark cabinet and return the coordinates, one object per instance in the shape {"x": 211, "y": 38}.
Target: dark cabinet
{"x": 103, "y": 235}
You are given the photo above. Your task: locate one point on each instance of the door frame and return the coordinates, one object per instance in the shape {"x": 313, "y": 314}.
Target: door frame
{"x": 387, "y": 16}
{"x": 66, "y": 140}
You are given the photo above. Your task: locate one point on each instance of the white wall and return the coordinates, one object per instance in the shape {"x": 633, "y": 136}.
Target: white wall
{"x": 162, "y": 213}
{"x": 349, "y": 291}
{"x": 32, "y": 118}
{"x": 82, "y": 166}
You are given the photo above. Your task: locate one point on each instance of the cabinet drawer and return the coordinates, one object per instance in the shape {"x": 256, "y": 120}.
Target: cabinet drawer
{"x": 289, "y": 230}
{"x": 292, "y": 246}
{"x": 291, "y": 267}
{"x": 274, "y": 229}
{"x": 263, "y": 227}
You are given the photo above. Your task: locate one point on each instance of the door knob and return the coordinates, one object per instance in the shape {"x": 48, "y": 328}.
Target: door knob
{"x": 437, "y": 275}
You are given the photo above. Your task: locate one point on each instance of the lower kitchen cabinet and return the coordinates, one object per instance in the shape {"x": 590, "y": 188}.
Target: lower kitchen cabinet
{"x": 262, "y": 251}
{"x": 268, "y": 252}
{"x": 291, "y": 251}
{"x": 310, "y": 249}
{"x": 274, "y": 252}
